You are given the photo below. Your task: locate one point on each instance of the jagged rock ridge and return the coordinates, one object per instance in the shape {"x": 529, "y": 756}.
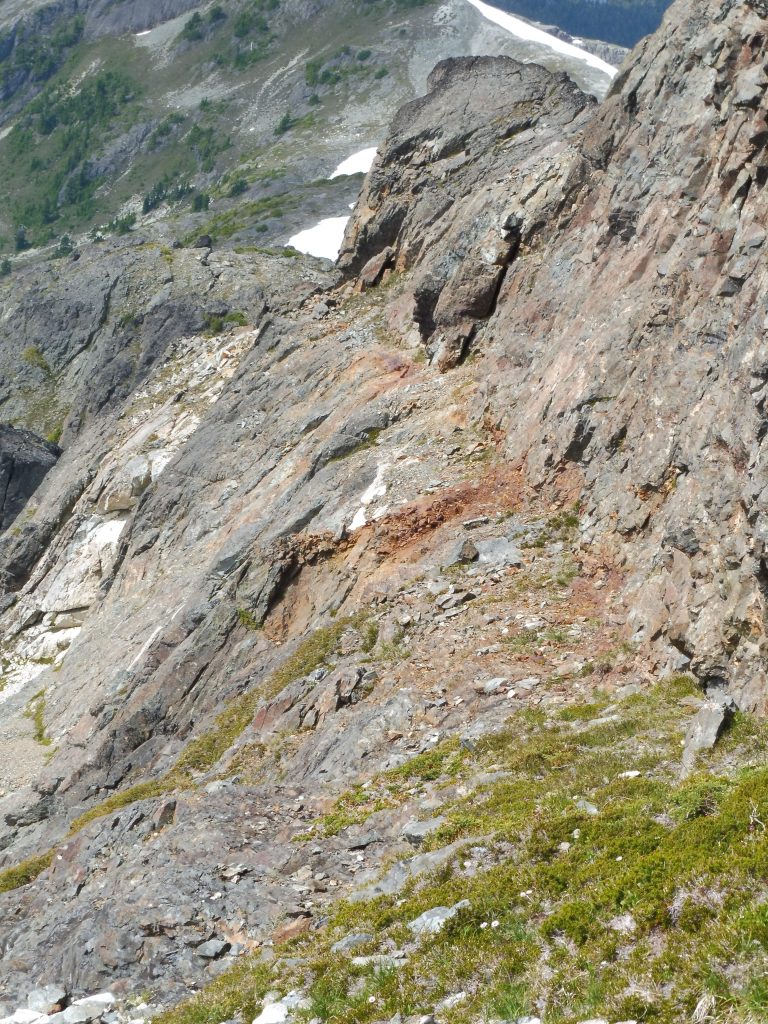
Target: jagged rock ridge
{"x": 626, "y": 335}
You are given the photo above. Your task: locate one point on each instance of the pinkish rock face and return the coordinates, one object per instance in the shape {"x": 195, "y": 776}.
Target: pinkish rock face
{"x": 610, "y": 263}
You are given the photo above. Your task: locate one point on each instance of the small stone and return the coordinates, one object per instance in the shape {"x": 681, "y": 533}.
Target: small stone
{"x": 500, "y": 552}
{"x": 212, "y": 949}
{"x": 705, "y": 730}
{"x": 450, "y": 1001}
{"x": 415, "y": 832}
{"x": 81, "y": 1014}
{"x": 48, "y": 999}
{"x": 491, "y": 686}
{"x": 467, "y": 552}
{"x": 274, "y": 1013}
{"x": 163, "y": 815}
{"x": 586, "y": 807}
{"x": 624, "y": 924}
{"x": 351, "y": 941}
{"x": 102, "y": 999}
{"x": 633, "y": 774}
{"x": 291, "y": 929}
{"x": 356, "y": 838}
{"x": 433, "y": 921}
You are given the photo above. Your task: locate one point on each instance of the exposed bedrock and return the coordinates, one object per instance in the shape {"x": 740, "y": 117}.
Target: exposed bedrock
{"x": 610, "y": 264}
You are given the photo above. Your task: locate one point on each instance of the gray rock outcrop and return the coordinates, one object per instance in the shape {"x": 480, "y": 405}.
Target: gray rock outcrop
{"x": 25, "y": 459}
{"x": 433, "y": 201}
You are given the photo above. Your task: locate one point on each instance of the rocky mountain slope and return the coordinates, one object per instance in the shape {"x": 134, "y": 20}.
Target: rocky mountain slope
{"x": 181, "y": 119}
{"x": 584, "y": 373}
{"x": 367, "y": 648}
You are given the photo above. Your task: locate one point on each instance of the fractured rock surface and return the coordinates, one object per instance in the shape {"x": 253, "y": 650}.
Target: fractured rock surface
{"x": 24, "y": 461}
{"x": 273, "y": 563}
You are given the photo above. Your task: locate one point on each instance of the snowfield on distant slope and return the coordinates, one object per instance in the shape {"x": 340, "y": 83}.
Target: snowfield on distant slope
{"x": 324, "y": 239}
{"x": 524, "y": 30}
{"x": 358, "y": 163}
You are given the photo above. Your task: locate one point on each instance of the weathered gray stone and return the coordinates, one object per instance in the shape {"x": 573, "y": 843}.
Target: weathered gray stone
{"x": 498, "y": 551}
{"x": 80, "y": 1014}
{"x": 212, "y": 949}
{"x": 704, "y": 731}
{"x": 433, "y": 921}
{"x": 25, "y": 459}
{"x": 586, "y": 806}
{"x": 491, "y": 686}
{"x": 351, "y": 941}
{"x": 415, "y": 832}
{"x": 48, "y": 999}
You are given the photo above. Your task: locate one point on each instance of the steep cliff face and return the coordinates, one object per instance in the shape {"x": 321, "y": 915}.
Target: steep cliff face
{"x": 434, "y": 200}
{"x": 24, "y": 461}
{"x": 626, "y": 341}
{"x": 633, "y": 341}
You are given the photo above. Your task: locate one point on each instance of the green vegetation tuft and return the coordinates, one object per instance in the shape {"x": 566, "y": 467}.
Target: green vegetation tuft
{"x": 370, "y": 635}
{"x": 247, "y": 619}
{"x": 26, "y": 872}
{"x": 35, "y": 710}
{"x": 312, "y": 653}
{"x": 32, "y": 356}
{"x": 142, "y": 791}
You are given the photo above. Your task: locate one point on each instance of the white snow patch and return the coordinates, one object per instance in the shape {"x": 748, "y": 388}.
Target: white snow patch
{"x": 359, "y": 520}
{"x": 376, "y": 489}
{"x": 523, "y": 30}
{"x": 358, "y": 163}
{"x": 15, "y": 680}
{"x": 323, "y": 240}
{"x": 146, "y": 32}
